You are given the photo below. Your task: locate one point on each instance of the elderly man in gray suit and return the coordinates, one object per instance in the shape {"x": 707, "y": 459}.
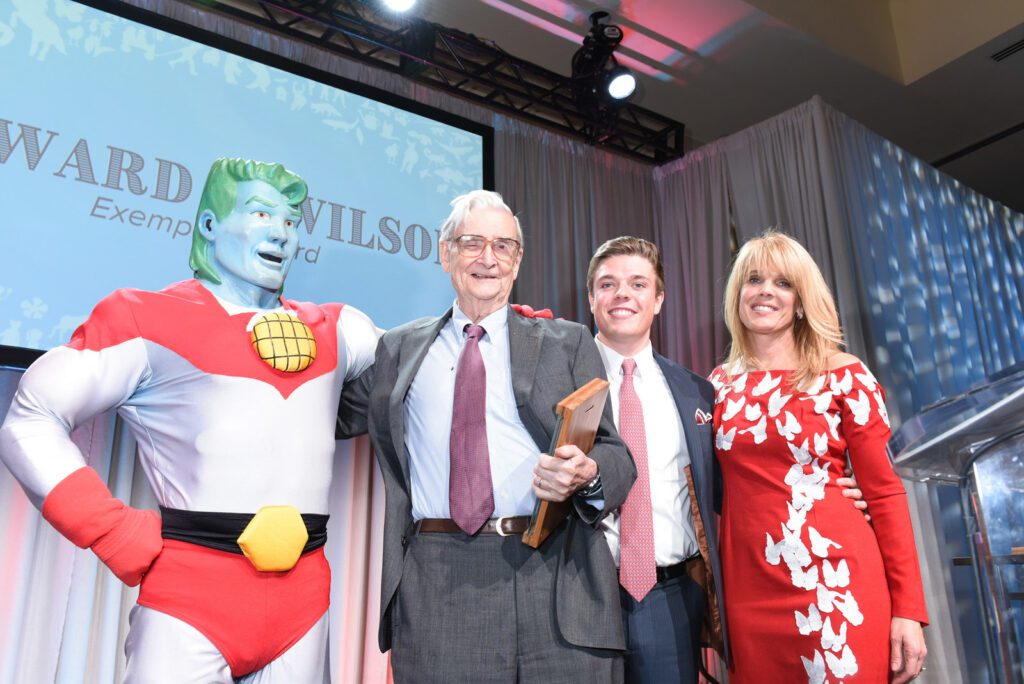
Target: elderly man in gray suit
{"x": 460, "y": 409}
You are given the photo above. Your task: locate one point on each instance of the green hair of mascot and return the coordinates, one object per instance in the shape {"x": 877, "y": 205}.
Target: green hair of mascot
{"x": 219, "y": 197}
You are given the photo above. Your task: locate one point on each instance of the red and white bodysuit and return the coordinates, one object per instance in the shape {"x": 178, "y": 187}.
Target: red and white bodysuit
{"x": 218, "y": 429}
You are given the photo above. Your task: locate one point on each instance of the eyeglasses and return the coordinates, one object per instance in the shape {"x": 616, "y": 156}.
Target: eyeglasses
{"x": 505, "y": 249}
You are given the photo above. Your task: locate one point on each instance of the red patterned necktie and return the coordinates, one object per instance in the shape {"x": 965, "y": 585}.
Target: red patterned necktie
{"x": 637, "y": 570}
{"x": 470, "y": 493}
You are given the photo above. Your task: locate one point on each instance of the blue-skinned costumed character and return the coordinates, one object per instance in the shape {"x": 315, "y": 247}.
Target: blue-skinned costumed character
{"x": 231, "y": 391}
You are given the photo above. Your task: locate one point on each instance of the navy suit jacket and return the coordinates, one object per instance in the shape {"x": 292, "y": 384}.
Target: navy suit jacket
{"x": 692, "y": 392}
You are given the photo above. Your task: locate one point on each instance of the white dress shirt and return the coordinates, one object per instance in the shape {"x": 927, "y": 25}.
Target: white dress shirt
{"x": 667, "y": 458}
{"x": 428, "y": 422}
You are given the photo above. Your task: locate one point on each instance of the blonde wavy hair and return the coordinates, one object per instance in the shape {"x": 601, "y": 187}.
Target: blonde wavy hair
{"x": 818, "y": 334}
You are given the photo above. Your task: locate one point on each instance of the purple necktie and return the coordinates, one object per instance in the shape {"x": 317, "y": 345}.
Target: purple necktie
{"x": 637, "y": 568}
{"x": 470, "y": 493}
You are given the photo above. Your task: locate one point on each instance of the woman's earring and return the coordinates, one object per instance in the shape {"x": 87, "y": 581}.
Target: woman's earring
{"x": 800, "y": 314}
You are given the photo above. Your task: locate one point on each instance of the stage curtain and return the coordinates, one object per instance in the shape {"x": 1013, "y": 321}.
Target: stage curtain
{"x": 570, "y": 198}
{"x": 693, "y": 231}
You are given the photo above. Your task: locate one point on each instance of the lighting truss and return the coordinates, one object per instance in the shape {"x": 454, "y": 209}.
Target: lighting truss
{"x": 460, "y": 63}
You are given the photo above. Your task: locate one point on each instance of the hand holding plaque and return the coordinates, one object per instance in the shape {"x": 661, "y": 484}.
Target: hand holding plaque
{"x": 579, "y": 416}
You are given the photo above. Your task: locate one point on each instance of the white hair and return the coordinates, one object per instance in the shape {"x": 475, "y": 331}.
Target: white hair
{"x": 476, "y": 199}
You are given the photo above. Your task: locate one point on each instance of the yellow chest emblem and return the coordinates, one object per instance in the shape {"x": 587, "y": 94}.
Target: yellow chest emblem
{"x": 283, "y": 342}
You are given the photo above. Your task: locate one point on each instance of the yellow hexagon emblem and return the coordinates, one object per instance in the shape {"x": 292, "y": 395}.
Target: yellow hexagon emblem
{"x": 274, "y": 538}
{"x": 283, "y": 342}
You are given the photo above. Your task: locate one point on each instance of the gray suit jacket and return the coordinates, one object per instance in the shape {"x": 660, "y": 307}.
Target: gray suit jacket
{"x": 550, "y": 359}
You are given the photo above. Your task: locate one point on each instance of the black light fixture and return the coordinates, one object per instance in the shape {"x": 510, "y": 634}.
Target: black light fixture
{"x": 459, "y": 63}
{"x": 600, "y": 85}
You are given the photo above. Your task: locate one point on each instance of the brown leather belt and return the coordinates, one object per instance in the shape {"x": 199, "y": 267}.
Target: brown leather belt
{"x": 505, "y": 527}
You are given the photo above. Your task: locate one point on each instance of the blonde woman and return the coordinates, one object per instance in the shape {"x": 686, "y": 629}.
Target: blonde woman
{"x": 813, "y": 592}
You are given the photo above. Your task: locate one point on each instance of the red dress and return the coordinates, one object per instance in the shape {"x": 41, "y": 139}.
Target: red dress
{"x": 810, "y": 586}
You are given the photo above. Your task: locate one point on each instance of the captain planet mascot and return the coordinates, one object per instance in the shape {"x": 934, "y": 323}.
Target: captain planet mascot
{"x": 231, "y": 391}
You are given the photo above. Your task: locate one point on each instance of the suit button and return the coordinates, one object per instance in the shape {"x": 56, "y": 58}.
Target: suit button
{"x": 405, "y": 540}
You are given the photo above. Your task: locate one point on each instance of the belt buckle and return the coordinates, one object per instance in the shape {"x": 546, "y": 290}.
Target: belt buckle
{"x": 274, "y": 538}
{"x": 497, "y": 526}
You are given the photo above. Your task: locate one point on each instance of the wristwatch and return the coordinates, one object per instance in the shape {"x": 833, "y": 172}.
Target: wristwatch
{"x": 591, "y": 488}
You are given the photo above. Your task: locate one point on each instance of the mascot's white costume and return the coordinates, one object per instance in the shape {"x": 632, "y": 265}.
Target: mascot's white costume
{"x": 232, "y": 393}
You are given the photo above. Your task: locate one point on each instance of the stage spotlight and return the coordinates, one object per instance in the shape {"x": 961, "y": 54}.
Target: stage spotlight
{"x": 399, "y": 5}
{"x": 600, "y": 86}
{"x": 621, "y": 83}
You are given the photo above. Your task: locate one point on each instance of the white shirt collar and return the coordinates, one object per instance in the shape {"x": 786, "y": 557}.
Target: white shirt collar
{"x": 645, "y": 362}
{"x": 494, "y": 323}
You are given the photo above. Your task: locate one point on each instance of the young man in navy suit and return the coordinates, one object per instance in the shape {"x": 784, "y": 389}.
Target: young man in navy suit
{"x": 664, "y": 537}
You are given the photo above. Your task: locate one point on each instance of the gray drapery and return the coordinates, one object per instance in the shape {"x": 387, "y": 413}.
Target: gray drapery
{"x": 694, "y": 234}
{"x": 570, "y": 198}
{"x": 935, "y": 277}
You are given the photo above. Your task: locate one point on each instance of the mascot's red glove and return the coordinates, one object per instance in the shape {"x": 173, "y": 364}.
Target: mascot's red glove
{"x": 529, "y": 312}
{"x": 126, "y": 539}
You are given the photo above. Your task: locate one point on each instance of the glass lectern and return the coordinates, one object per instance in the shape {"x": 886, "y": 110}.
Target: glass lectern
{"x": 976, "y": 441}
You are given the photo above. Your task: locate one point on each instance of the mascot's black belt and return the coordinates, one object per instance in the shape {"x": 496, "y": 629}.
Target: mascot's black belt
{"x": 272, "y": 539}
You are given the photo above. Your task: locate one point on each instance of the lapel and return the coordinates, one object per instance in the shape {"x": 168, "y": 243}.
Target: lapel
{"x": 524, "y": 342}
{"x": 410, "y": 357}
{"x": 687, "y": 398}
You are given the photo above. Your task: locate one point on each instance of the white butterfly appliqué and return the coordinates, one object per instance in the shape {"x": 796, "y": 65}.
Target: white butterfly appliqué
{"x": 807, "y": 487}
{"x": 804, "y": 579}
{"x": 797, "y": 518}
{"x": 733, "y": 407}
{"x": 815, "y": 669}
{"x": 740, "y": 383}
{"x": 845, "y": 603}
{"x": 845, "y": 666}
{"x": 759, "y": 431}
{"x": 820, "y": 444}
{"x": 842, "y": 386}
{"x": 767, "y": 384}
{"x": 867, "y": 379}
{"x": 790, "y": 429}
{"x": 821, "y": 401}
{"x": 837, "y": 575}
{"x": 833, "y": 420}
{"x": 848, "y": 606}
{"x": 776, "y": 401}
{"x": 830, "y": 640}
{"x": 881, "y": 409}
{"x": 819, "y": 544}
{"x": 723, "y": 440}
{"x": 752, "y": 412}
{"x": 861, "y": 407}
{"x": 810, "y": 622}
{"x": 826, "y": 599}
{"x": 800, "y": 453}
{"x": 794, "y": 552}
{"x": 772, "y": 549}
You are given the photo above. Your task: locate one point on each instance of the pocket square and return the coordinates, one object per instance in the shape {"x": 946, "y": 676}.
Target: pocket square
{"x": 702, "y": 418}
